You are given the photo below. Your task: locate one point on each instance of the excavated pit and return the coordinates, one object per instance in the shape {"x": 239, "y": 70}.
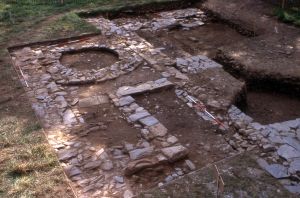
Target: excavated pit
{"x": 200, "y": 137}
{"x": 269, "y": 106}
{"x": 87, "y": 59}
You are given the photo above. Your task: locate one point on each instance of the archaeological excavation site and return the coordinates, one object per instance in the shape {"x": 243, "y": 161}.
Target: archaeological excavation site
{"x": 179, "y": 99}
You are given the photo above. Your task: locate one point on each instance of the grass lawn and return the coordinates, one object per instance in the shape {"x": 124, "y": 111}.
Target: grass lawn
{"x": 28, "y": 166}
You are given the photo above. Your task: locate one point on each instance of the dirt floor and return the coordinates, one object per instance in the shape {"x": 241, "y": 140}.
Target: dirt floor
{"x": 204, "y": 40}
{"x": 204, "y": 144}
{"x": 114, "y": 130}
{"x": 86, "y": 60}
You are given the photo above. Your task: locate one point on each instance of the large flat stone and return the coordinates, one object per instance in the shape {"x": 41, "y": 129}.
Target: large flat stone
{"x": 287, "y": 152}
{"x": 127, "y": 100}
{"x": 139, "y": 115}
{"x": 278, "y": 171}
{"x": 138, "y": 165}
{"x": 295, "y": 166}
{"x": 140, "y": 153}
{"x": 149, "y": 121}
{"x": 292, "y": 142}
{"x": 175, "y": 153}
{"x": 145, "y": 87}
{"x": 158, "y": 130}
{"x": 93, "y": 100}
{"x": 69, "y": 117}
{"x": 66, "y": 154}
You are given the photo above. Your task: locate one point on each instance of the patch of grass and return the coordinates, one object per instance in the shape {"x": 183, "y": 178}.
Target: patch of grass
{"x": 28, "y": 165}
{"x": 291, "y": 15}
{"x": 67, "y": 25}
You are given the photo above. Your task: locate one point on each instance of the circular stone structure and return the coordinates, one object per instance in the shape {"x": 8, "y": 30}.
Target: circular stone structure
{"x": 95, "y": 63}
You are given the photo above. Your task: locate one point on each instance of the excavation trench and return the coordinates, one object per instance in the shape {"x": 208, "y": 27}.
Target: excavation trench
{"x": 199, "y": 136}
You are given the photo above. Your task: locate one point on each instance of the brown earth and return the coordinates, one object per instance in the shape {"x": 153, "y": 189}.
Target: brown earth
{"x": 199, "y": 136}
{"x": 90, "y": 59}
{"x": 270, "y": 107}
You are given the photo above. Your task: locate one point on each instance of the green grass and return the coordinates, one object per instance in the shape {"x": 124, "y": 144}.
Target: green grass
{"x": 291, "y": 15}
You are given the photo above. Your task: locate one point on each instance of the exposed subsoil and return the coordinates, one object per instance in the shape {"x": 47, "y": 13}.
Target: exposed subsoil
{"x": 268, "y": 107}
{"x": 204, "y": 144}
{"x": 115, "y": 130}
{"x": 204, "y": 40}
{"x": 90, "y": 59}
{"x": 218, "y": 85}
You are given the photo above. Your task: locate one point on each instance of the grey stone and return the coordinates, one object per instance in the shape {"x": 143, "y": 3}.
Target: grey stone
{"x": 127, "y": 100}
{"x": 158, "y": 130}
{"x": 293, "y": 188}
{"x": 107, "y": 165}
{"x": 66, "y": 154}
{"x": 92, "y": 165}
{"x": 148, "y": 121}
{"x": 119, "y": 179}
{"x": 276, "y": 139}
{"x": 190, "y": 164}
{"x": 175, "y": 153}
{"x": 127, "y": 194}
{"x": 287, "y": 152}
{"x": 278, "y": 171}
{"x": 169, "y": 178}
{"x": 69, "y": 117}
{"x": 292, "y": 123}
{"x": 295, "y": 166}
{"x": 93, "y": 100}
{"x": 74, "y": 171}
{"x": 61, "y": 102}
{"x": 139, "y": 115}
{"x": 280, "y": 127}
{"x": 172, "y": 139}
{"x": 292, "y": 142}
{"x": 140, "y": 153}
{"x": 268, "y": 148}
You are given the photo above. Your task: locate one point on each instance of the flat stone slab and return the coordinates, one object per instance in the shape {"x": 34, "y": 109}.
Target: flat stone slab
{"x": 140, "y": 153}
{"x": 93, "y": 100}
{"x": 158, "y": 130}
{"x": 69, "y": 117}
{"x": 175, "y": 153}
{"x": 149, "y": 121}
{"x": 287, "y": 152}
{"x": 127, "y": 100}
{"x": 139, "y": 115}
{"x": 145, "y": 87}
{"x": 196, "y": 64}
{"x": 295, "y": 166}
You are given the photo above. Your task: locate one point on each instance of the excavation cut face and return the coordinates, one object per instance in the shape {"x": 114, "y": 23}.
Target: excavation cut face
{"x": 91, "y": 58}
{"x": 268, "y": 107}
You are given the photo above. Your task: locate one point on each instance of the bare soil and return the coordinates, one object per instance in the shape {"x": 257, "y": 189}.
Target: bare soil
{"x": 91, "y": 59}
{"x": 117, "y": 130}
{"x": 204, "y": 40}
{"x": 269, "y": 107}
{"x": 199, "y": 136}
